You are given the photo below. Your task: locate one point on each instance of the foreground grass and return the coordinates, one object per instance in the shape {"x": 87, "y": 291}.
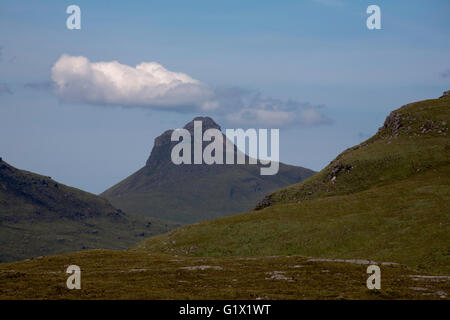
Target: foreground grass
{"x": 139, "y": 275}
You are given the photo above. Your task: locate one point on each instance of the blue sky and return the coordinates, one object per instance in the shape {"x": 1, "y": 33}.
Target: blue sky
{"x": 316, "y": 52}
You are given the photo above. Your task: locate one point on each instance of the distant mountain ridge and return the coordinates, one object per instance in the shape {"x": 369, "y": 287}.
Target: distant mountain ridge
{"x": 40, "y": 216}
{"x": 191, "y": 193}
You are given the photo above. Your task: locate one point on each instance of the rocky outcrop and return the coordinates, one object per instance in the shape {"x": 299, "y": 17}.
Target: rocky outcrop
{"x": 264, "y": 203}
{"x": 207, "y": 123}
{"x": 163, "y": 145}
{"x": 393, "y": 123}
{"x": 337, "y": 169}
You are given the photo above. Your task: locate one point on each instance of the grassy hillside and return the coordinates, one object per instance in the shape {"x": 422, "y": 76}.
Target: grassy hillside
{"x": 39, "y": 216}
{"x": 197, "y": 196}
{"x": 413, "y": 139}
{"x": 386, "y": 199}
{"x": 192, "y": 193}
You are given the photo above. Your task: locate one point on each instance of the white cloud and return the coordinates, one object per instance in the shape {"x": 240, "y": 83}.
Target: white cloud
{"x": 277, "y": 118}
{"x": 150, "y": 85}
{"x": 247, "y": 108}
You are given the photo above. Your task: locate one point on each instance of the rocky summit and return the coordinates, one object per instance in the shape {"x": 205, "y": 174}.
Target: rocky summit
{"x": 190, "y": 193}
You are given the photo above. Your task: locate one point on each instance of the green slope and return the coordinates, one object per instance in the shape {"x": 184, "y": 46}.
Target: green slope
{"x": 386, "y": 199}
{"x": 223, "y": 191}
{"x": 39, "y": 216}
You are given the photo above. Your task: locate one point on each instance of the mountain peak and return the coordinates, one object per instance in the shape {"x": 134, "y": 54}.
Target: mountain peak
{"x": 191, "y": 193}
{"x": 207, "y": 123}
{"x": 163, "y": 144}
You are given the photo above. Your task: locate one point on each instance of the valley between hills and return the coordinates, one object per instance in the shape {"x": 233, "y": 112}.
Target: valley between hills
{"x": 384, "y": 201}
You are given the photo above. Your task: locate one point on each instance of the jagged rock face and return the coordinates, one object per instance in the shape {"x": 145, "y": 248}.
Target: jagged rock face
{"x": 162, "y": 148}
{"x": 207, "y": 123}
{"x": 264, "y": 203}
{"x": 393, "y": 122}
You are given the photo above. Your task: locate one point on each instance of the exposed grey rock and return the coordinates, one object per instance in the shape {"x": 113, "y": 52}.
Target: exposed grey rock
{"x": 337, "y": 169}
{"x": 393, "y": 123}
{"x": 264, "y": 203}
